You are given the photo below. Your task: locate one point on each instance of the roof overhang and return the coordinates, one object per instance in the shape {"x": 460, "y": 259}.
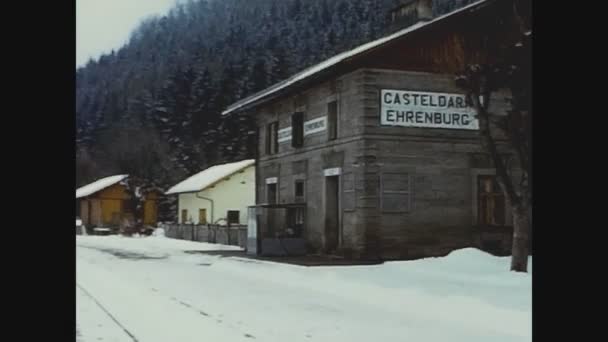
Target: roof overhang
{"x": 245, "y": 164}
{"x": 345, "y": 59}
{"x": 98, "y": 185}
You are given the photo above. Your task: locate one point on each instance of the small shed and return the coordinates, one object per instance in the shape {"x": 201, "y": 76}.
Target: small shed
{"x": 104, "y": 203}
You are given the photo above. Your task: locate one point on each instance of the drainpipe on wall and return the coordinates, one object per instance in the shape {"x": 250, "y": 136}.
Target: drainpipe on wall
{"x": 207, "y": 199}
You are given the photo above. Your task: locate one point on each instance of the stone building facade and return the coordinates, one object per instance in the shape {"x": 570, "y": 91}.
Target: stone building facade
{"x": 378, "y": 155}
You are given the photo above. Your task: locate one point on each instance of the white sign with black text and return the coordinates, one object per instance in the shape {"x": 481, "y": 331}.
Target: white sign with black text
{"x": 426, "y": 109}
{"x": 336, "y": 171}
{"x": 271, "y": 180}
{"x": 315, "y": 125}
{"x": 284, "y": 134}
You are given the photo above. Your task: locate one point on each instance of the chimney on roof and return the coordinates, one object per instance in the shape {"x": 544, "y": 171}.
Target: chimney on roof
{"x": 410, "y": 12}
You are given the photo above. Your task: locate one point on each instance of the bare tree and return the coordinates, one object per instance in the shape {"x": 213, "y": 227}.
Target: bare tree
{"x": 138, "y": 189}
{"x": 512, "y": 71}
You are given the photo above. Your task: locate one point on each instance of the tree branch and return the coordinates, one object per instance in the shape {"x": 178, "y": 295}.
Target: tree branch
{"x": 490, "y": 144}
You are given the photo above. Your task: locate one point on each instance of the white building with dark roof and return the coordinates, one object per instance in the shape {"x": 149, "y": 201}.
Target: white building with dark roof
{"x": 217, "y": 195}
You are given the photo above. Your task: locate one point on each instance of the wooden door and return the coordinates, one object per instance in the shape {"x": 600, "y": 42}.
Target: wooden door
{"x": 96, "y": 218}
{"x": 184, "y": 215}
{"x": 150, "y": 212}
{"x": 202, "y": 216}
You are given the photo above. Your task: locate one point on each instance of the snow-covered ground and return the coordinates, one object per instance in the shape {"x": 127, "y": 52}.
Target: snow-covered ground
{"x": 148, "y": 289}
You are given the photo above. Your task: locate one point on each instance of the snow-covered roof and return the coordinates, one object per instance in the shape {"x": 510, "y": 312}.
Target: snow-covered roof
{"x": 98, "y": 185}
{"x": 333, "y": 61}
{"x": 208, "y": 177}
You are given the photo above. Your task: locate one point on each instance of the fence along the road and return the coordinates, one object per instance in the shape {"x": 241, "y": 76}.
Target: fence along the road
{"x": 235, "y": 235}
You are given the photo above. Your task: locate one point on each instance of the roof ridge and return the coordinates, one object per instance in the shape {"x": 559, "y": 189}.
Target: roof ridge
{"x": 340, "y": 57}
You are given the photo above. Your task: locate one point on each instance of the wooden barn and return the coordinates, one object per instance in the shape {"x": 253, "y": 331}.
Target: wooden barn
{"x": 375, "y": 152}
{"x": 103, "y": 203}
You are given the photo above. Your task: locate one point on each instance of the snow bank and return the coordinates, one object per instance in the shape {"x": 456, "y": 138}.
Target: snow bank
{"x": 466, "y": 296}
{"x": 494, "y": 299}
{"x": 158, "y": 232}
{"x": 158, "y": 244}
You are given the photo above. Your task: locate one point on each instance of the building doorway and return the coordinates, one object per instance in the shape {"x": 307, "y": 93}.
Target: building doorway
{"x": 491, "y": 202}
{"x": 332, "y": 213}
{"x": 202, "y": 216}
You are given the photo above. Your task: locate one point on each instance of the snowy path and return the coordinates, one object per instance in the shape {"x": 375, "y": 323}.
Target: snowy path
{"x": 151, "y": 289}
{"x": 106, "y": 328}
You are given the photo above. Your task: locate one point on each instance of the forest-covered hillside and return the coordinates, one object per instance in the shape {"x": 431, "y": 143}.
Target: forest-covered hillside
{"x": 152, "y": 108}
